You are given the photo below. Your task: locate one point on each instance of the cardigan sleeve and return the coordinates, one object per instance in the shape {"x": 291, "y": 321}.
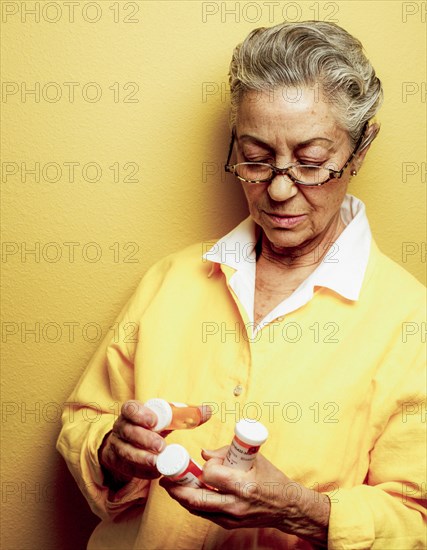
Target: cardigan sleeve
{"x": 92, "y": 408}
{"x": 389, "y": 509}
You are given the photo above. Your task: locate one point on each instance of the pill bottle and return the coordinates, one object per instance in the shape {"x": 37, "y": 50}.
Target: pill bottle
{"x": 175, "y": 463}
{"x": 248, "y": 438}
{"x": 177, "y": 416}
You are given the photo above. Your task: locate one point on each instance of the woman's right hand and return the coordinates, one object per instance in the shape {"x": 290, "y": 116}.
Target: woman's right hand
{"x": 131, "y": 448}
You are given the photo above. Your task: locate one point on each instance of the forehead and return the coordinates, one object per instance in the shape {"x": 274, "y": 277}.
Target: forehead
{"x": 297, "y": 113}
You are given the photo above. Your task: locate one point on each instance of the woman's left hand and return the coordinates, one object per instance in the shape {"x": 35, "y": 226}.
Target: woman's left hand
{"x": 262, "y": 497}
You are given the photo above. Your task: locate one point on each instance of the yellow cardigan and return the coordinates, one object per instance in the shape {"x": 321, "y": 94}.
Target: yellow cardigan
{"x": 340, "y": 385}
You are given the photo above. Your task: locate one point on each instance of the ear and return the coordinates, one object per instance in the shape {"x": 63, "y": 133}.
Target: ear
{"x": 370, "y": 134}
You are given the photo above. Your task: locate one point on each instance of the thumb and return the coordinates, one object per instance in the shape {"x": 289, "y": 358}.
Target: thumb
{"x": 205, "y": 413}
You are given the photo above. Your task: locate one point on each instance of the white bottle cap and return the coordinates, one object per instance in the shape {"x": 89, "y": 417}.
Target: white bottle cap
{"x": 251, "y": 432}
{"x": 163, "y": 411}
{"x": 173, "y": 460}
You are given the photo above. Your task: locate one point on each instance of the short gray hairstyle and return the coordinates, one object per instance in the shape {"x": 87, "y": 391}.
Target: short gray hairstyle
{"x": 306, "y": 54}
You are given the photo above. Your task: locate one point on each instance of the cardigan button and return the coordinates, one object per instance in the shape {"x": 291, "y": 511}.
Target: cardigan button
{"x": 237, "y": 390}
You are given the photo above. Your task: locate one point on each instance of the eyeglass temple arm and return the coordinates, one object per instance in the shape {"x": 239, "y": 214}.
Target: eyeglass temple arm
{"x": 369, "y": 139}
{"x": 230, "y": 151}
{"x": 356, "y": 150}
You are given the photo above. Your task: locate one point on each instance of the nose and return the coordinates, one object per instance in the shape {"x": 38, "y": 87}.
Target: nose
{"x": 282, "y": 188}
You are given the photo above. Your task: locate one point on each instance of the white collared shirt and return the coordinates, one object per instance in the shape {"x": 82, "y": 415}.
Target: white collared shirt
{"x": 342, "y": 269}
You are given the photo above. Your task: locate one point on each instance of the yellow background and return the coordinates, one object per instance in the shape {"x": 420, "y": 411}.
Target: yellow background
{"x": 176, "y": 135}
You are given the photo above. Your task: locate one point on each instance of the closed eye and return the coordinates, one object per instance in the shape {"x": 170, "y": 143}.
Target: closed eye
{"x": 265, "y": 160}
{"x": 311, "y": 162}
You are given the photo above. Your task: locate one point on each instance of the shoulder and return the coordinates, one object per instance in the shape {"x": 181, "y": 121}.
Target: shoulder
{"x": 396, "y": 273}
{"x": 186, "y": 264}
{"x": 391, "y": 282}
{"x": 188, "y": 258}
{"x": 176, "y": 276}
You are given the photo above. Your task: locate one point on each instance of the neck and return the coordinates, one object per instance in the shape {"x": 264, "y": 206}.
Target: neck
{"x": 305, "y": 257}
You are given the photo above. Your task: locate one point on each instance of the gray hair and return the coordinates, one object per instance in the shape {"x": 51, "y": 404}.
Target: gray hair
{"x": 306, "y": 54}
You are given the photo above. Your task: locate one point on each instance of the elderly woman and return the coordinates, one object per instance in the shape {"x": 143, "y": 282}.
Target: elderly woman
{"x": 294, "y": 318}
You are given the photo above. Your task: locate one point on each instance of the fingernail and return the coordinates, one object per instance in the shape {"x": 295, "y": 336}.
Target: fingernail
{"x": 151, "y": 459}
{"x": 158, "y": 445}
{"x": 150, "y": 421}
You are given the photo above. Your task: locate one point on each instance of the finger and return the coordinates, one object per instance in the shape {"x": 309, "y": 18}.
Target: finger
{"x": 135, "y": 412}
{"x": 189, "y": 497}
{"x": 184, "y": 495}
{"x": 138, "y": 437}
{"x": 125, "y": 458}
{"x": 200, "y": 500}
{"x": 207, "y": 454}
{"x": 205, "y": 413}
{"x": 167, "y": 483}
{"x": 223, "y": 478}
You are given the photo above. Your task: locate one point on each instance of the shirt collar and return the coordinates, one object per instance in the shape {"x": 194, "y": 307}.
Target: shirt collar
{"x": 342, "y": 269}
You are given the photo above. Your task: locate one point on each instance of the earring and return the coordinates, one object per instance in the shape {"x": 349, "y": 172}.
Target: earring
{"x": 353, "y": 172}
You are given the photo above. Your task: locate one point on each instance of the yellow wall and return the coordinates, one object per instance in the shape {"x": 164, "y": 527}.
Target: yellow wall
{"x": 162, "y": 109}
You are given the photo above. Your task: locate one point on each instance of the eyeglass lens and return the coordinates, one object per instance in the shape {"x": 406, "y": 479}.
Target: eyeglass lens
{"x": 263, "y": 172}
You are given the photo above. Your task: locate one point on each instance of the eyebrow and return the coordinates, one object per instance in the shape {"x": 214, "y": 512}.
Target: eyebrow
{"x": 298, "y": 145}
{"x": 309, "y": 141}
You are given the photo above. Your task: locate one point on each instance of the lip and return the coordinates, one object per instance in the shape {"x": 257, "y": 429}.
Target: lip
{"x": 286, "y": 220}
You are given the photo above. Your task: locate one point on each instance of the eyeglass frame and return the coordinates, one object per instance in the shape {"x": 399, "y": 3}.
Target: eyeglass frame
{"x": 334, "y": 174}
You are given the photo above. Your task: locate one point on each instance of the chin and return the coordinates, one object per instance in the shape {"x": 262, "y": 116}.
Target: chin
{"x": 284, "y": 238}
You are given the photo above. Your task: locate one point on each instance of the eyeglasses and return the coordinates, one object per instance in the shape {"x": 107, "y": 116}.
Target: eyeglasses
{"x": 302, "y": 174}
